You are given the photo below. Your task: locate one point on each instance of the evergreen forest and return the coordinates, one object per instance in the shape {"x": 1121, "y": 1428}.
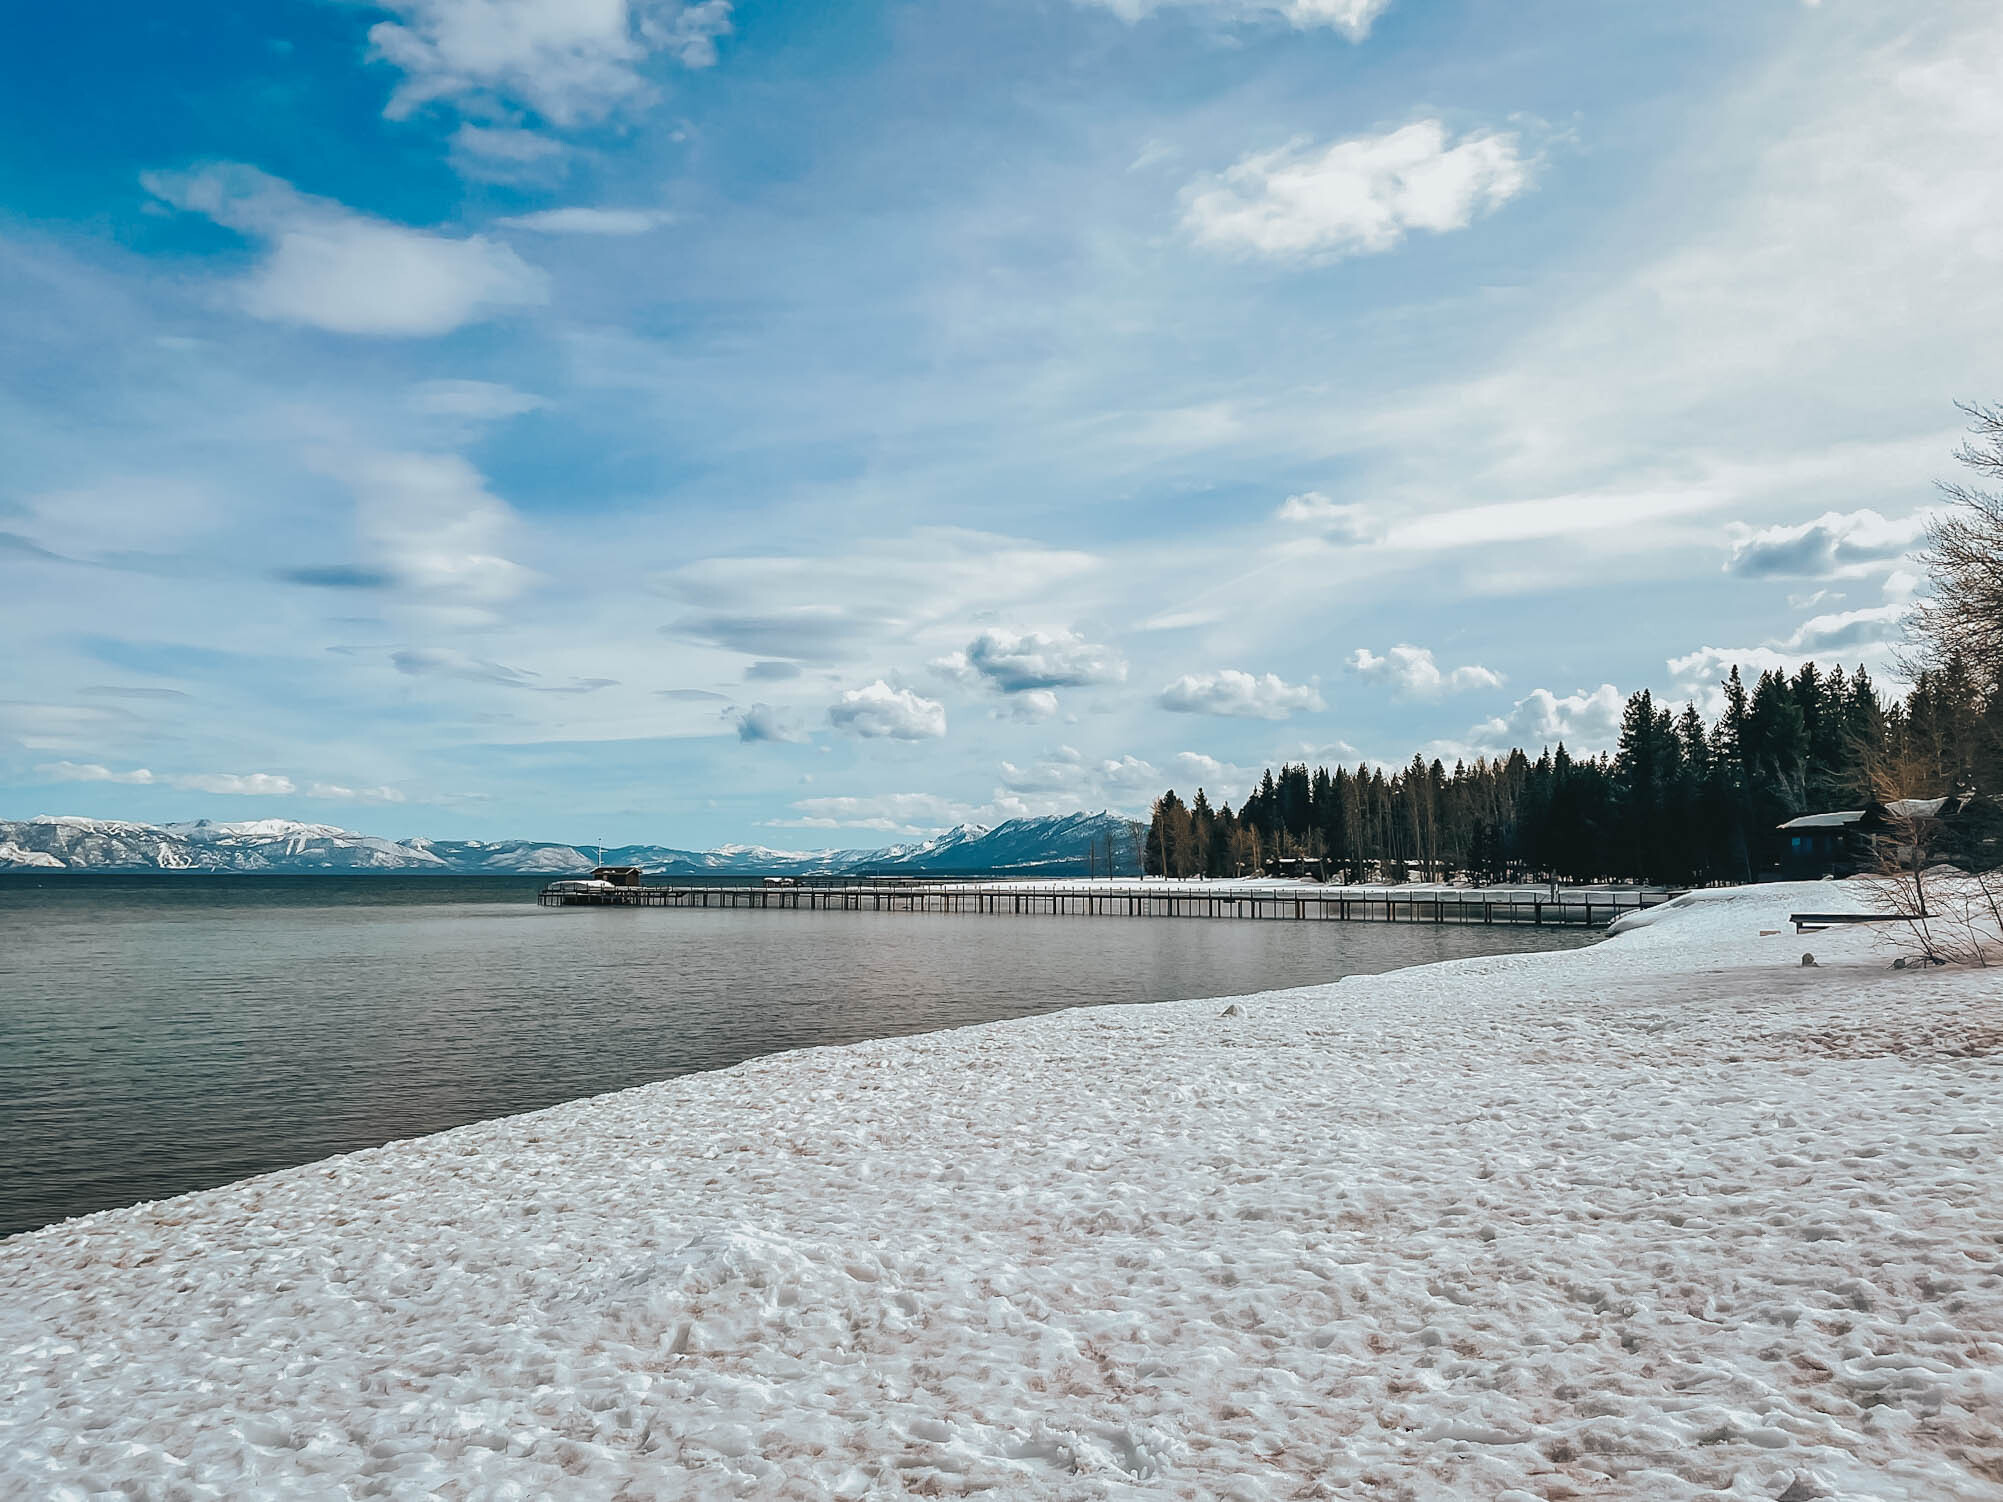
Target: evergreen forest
{"x": 1679, "y": 800}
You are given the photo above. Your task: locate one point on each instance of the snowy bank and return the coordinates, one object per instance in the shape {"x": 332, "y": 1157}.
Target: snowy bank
{"x": 1672, "y": 1216}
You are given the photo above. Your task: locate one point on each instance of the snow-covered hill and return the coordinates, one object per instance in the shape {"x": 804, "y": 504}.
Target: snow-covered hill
{"x": 1058, "y": 845}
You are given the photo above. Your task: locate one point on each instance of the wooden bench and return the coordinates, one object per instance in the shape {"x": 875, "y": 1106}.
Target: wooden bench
{"x": 1803, "y": 922}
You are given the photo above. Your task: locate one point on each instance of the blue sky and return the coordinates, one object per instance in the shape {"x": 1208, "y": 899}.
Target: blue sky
{"x": 623, "y": 419}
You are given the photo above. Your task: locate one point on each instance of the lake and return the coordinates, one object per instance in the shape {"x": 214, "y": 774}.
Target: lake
{"x": 160, "y": 1034}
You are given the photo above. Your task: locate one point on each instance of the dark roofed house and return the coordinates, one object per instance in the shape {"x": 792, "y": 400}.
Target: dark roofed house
{"x": 1820, "y": 845}
{"x": 1853, "y": 840}
{"x": 1297, "y": 867}
{"x": 619, "y": 876}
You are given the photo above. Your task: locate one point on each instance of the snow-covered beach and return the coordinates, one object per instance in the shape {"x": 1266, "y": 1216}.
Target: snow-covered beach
{"x": 1672, "y": 1216}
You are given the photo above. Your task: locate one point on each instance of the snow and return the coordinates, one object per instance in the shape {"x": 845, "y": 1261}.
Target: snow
{"x": 95, "y": 826}
{"x": 259, "y": 829}
{"x": 1915, "y": 808}
{"x": 764, "y": 853}
{"x": 1834, "y": 820}
{"x": 12, "y": 854}
{"x": 1669, "y": 1217}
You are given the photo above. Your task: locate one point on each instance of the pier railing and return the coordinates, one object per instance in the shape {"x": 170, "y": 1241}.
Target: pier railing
{"x": 1567, "y": 906}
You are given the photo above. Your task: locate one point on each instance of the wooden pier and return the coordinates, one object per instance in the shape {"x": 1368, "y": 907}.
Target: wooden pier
{"x": 1571, "y": 907}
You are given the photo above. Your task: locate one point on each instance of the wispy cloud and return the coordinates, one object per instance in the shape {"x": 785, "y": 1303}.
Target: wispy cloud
{"x": 1334, "y": 521}
{"x": 337, "y": 576}
{"x": 567, "y": 60}
{"x": 1352, "y": 18}
{"x": 450, "y": 662}
{"x": 589, "y": 221}
{"x": 326, "y": 266}
{"x": 477, "y": 401}
{"x": 802, "y": 633}
{"x": 224, "y": 784}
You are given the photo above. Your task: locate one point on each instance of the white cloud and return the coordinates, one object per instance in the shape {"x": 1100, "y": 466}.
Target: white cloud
{"x": 334, "y": 792}
{"x": 1870, "y": 633}
{"x": 435, "y": 529}
{"x": 479, "y": 401}
{"x": 1183, "y": 620}
{"x": 1242, "y": 695}
{"x": 1412, "y": 672}
{"x": 893, "y": 813}
{"x": 1836, "y": 544}
{"x": 1336, "y": 521}
{"x": 1020, "y": 662}
{"x": 1350, "y": 17}
{"x": 1877, "y": 625}
{"x": 1066, "y": 779}
{"x": 1033, "y": 707}
{"x": 243, "y": 785}
{"x": 569, "y": 60}
{"x": 504, "y": 147}
{"x": 237, "y": 784}
{"x": 762, "y": 722}
{"x": 878, "y": 711}
{"x": 1586, "y": 721}
{"x": 1901, "y": 584}
{"x": 72, "y": 771}
{"x": 584, "y": 221}
{"x": 328, "y": 267}
{"x": 1064, "y": 770}
{"x": 1220, "y": 780}
{"x": 1322, "y": 752}
{"x": 1354, "y": 197}
{"x": 1699, "y": 675}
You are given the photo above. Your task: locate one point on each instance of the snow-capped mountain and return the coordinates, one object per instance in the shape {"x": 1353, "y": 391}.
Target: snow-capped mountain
{"x": 283, "y": 845}
{"x": 1059, "y": 845}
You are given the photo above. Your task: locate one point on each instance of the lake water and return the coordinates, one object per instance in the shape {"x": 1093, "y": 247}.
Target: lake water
{"x": 163, "y": 1034}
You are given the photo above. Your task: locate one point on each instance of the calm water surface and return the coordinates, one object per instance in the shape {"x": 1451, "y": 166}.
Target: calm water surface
{"x": 162, "y": 1034}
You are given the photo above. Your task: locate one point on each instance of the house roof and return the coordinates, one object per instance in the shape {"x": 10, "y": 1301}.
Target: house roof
{"x": 1914, "y": 808}
{"x": 1825, "y": 821}
{"x": 1876, "y": 815}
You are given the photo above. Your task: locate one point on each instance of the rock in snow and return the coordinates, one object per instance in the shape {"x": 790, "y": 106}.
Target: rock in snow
{"x": 1662, "y": 1218}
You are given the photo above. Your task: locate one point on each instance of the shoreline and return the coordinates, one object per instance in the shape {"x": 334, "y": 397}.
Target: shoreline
{"x": 1669, "y": 1213}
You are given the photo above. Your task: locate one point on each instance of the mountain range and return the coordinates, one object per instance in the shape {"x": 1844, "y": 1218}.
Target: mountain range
{"x": 1055, "y": 845}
